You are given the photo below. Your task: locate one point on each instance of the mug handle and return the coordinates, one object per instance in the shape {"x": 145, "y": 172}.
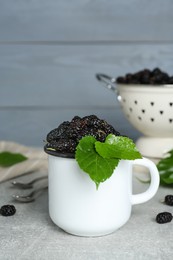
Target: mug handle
{"x": 154, "y": 184}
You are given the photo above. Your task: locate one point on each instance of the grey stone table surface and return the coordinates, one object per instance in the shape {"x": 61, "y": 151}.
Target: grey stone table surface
{"x": 30, "y": 233}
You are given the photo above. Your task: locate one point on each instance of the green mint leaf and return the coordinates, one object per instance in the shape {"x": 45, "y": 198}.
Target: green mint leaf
{"x": 98, "y": 168}
{"x": 8, "y": 159}
{"x": 117, "y": 147}
{"x": 165, "y": 168}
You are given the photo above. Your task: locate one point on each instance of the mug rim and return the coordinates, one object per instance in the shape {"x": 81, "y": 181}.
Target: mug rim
{"x": 59, "y": 154}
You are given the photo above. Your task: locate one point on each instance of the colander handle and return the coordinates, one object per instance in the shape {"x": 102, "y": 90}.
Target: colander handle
{"x": 108, "y": 81}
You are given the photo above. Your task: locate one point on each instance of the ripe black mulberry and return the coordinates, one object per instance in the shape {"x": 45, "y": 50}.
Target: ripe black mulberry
{"x": 169, "y": 200}
{"x": 57, "y": 132}
{"x": 8, "y": 210}
{"x": 164, "y": 217}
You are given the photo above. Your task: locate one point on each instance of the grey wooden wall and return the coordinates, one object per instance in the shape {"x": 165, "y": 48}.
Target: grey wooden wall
{"x": 51, "y": 50}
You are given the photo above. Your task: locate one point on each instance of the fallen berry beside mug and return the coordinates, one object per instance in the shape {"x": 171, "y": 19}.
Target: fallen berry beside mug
{"x": 90, "y": 190}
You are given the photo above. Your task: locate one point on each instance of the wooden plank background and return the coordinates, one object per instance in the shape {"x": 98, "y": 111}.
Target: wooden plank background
{"x": 51, "y": 50}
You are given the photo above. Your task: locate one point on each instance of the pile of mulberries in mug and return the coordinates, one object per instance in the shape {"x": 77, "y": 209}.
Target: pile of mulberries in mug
{"x": 66, "y": 136}
{"x": 146, "y": 76}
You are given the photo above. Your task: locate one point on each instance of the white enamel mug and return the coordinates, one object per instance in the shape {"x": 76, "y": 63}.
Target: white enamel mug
{"x": 77, "y": 207}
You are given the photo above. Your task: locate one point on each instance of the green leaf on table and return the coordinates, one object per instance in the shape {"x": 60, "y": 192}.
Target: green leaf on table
{"x": 8, "y": 159}
{"x": 165, "y": 168}
{"x": 118, "y": 147}
{"x": 98, "y": 168}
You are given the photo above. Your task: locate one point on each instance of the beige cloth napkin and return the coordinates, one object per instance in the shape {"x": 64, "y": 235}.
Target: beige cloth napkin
{"x": 37, "y": 160}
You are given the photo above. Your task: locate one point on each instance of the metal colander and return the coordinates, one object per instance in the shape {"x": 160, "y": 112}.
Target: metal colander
{"x": 148, "y": 108}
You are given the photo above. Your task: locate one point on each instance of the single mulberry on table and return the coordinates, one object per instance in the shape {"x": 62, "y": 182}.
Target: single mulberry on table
{"x": 169, "y": 200}
{"x": 8, "y": 210}
{"x": 164, "y": 217}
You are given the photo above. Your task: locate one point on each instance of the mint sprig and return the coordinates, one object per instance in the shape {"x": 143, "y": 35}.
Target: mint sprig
{"x": 99, "y": 160}
{"x": 8, "y": 159}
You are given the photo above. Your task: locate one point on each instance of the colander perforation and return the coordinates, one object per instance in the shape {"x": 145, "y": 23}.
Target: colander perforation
{"x": 161, "y": 112}
{"x": 152, "y": 103}
{"x": 171, "y": 104}
{"x": 170, "y": 120}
